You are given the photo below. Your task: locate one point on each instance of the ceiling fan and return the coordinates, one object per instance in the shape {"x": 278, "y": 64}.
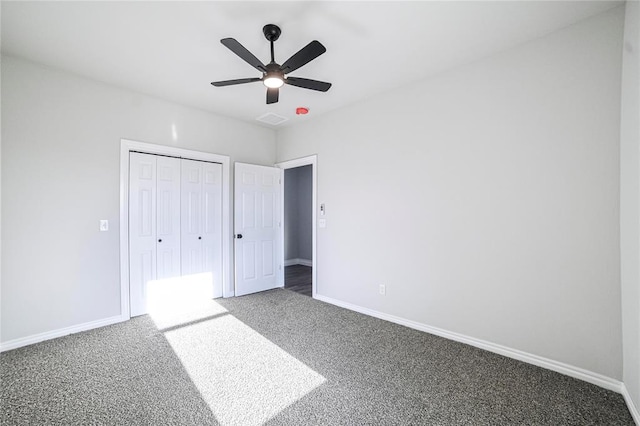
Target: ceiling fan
{"x": 273, "y": 74}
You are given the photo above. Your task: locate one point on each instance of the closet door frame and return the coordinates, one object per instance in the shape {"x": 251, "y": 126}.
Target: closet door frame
{"x": 126, "y": 146}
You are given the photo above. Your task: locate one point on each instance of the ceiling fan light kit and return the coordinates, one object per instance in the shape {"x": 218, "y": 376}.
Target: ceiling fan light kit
{"x": 274, "y": 74}
{"x": 273, "y": 81}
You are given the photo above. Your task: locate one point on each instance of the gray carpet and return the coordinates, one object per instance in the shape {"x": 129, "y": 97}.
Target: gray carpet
{"x": 279, "y": 358}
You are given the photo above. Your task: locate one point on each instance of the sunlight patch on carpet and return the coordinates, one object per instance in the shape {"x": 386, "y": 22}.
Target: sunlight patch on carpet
{"x": 181, "y": 300}
{"x": 245, "y": 378}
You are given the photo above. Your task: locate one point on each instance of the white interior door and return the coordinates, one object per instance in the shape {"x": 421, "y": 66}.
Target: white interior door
{"x": 256, "y": 223}
{"x": 167, "y": 217}
{"x": 202, "y": 226}
{"x": 212, "y": 224}
{"x": 175, "y": 231}
{"x": 142, "y": 229}
{"x": 192, "y": 177}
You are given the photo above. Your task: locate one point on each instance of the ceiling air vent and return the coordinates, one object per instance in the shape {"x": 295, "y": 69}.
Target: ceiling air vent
{"x": 271, "y": 118}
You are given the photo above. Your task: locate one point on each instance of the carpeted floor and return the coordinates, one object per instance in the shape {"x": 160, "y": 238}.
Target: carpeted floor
{"x": 280, "y": 358}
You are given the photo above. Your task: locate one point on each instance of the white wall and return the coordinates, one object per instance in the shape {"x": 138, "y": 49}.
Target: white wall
{"x": 298, "y": 189}
{"x": 486, "y": 198}
{"x": 630, "y": 202}
{"x": 290, "y": 214}
{"x": 305, "y": 206}
{"x": 60, "y": 175}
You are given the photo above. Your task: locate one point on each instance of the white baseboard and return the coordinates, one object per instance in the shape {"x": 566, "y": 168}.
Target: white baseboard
{"x": 559, "y": 367}
{"x": 633, "y": 409}
{"x": 29, "y": 340}
{"x": 305, "y": 262}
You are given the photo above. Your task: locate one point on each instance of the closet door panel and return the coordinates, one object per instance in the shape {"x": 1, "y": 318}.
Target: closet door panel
{"x": 192, "y": 217}
{"x": 168, "y": 217}
{"x": 142, "y": 229}
{"x": 212, "y": 221}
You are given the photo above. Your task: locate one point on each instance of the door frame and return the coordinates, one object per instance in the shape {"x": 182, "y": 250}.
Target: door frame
{"x": 311, "y": 160}
{"x": 127, "y": 146}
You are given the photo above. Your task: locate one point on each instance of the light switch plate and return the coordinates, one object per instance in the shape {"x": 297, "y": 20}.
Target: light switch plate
{"x": 104, "y": 225}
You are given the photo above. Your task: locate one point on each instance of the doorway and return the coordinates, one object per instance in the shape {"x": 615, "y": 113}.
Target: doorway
{"x": 298, "y": 230}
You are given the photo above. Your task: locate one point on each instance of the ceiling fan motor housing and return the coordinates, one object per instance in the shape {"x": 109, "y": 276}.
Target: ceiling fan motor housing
{"x": 274, "y": 69}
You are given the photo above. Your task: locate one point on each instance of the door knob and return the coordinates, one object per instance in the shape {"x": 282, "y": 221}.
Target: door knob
{"x": 239, "y": 236}
{"x": 160, "y": 240}
{"x": 199, "y": 238}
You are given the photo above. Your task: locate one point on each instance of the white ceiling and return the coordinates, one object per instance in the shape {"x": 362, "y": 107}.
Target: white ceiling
{"x": 172, "y": 50}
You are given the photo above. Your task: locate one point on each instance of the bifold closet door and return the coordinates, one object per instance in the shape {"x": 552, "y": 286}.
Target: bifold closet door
{"x": 201, "y": 237}
{"x": 175, "y": 228}
{"x": 154, "y": 224}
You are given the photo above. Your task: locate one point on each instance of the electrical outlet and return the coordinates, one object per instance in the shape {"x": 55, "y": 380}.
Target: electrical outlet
{"x": 104, "y": 225}
{"x": 383, "y": 289}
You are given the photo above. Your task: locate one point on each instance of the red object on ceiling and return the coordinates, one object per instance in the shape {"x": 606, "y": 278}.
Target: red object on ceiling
{"x": 302, "y": 111}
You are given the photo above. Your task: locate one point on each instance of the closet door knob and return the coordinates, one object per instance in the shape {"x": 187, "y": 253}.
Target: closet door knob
{"x": 160, "y": 240}
{"x": 239, "y": 236}
{"x": 199, "y": 238}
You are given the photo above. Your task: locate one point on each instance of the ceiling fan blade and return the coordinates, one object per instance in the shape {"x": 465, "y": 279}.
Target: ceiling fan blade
{"x": 304, "y": 56}
{"x": 241, "y": 51}
{"x": 305, "y": 83}
{"x": 237, "y": 81}
{"x": 272, "y": 95}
